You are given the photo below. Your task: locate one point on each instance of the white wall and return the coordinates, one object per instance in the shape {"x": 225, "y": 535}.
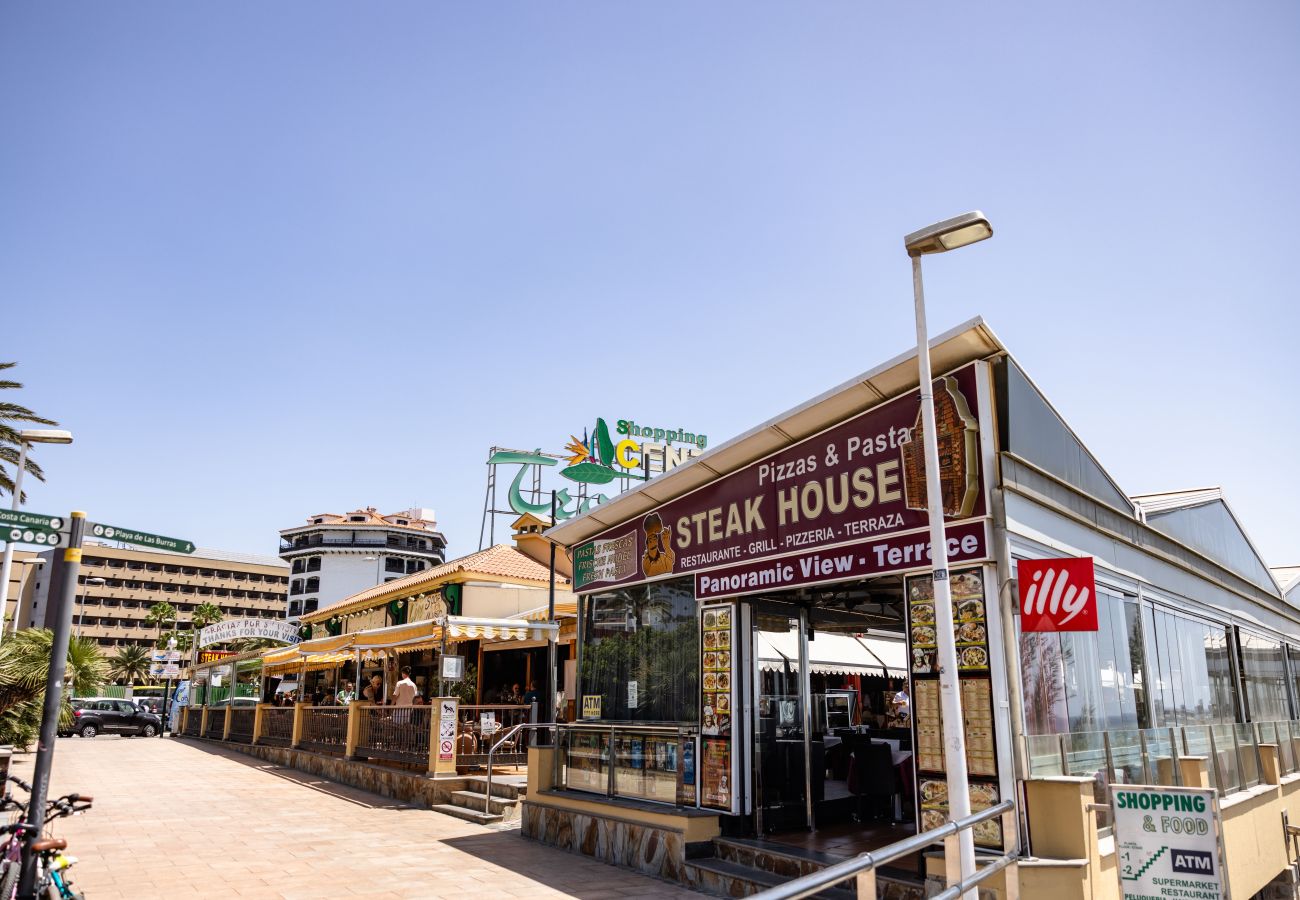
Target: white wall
{"x": 488, "y": 602}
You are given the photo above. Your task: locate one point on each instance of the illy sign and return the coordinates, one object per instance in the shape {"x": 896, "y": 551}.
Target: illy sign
{"x": 1057, "y": 594}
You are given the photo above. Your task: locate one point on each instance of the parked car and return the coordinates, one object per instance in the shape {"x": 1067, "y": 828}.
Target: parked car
{"x": 150, "y": 705}
{"x": 110, "y": 715}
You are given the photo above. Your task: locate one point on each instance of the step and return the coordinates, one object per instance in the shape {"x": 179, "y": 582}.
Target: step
{"x": 468, "y": 815}
{"x": 474, "y": 800}
{"x": 506, "y": 787}
{"x": 729, "y": 879}
{"x": 773, "y": 857}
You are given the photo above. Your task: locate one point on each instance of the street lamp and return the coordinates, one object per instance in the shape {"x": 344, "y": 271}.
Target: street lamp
{"x": 939, "y": 238}
{"x": 81, "y": 615}
{"x": 26, "y": 438}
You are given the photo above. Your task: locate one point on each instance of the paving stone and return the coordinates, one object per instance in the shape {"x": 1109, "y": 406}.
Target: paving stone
{"x": 173, "y": 818}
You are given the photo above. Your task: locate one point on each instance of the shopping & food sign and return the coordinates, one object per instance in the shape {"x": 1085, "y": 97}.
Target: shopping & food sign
{"x": 1167, "y": 841}
{"x": 849, "y": 486}
{"x": 1057, "y": 594}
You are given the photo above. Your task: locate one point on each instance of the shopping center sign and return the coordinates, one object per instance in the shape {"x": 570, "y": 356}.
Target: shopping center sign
{"x": 850, "y": 486}
{"x": 1057, "y": 594}
{"x": 631, "y": 452}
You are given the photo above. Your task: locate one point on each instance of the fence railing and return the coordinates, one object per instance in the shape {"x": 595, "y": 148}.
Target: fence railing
{"x": 241, "y": 724}
{"x": 659, "y": 763}
{"x": 324, "y": 729}
{"x": 193, "y": 721}
{"x": 399, "y": 733}
{"x": 216, "y": 723}
{"x": 478, "y": 730}
{"x": 861, "y": 869}
{"x": 277, "y": 726}
{"x": 1152, "y": 755}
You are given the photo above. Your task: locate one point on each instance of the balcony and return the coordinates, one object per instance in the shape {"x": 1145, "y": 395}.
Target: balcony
{"x": 393, "y": 544}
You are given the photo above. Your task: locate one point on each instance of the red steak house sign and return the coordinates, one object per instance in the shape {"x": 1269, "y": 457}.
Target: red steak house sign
{"x": 858, "y": 487}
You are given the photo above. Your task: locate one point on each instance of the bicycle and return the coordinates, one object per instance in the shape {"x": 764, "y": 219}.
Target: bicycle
{"x": 52, "y": 881}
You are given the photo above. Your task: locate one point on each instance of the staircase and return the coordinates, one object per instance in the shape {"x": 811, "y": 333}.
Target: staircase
{"x": 740, "y": 867}
{"x": 468, "y": 803}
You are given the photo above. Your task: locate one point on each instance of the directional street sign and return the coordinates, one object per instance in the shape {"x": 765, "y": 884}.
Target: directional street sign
{"x": 17, "y": 518}
{"x": 22, "y": 527}
{"x": 143, "y": 538}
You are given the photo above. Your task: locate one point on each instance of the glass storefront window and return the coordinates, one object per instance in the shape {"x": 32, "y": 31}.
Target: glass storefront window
{"x": 648, "y": 634}
{"x": 1263, "y": 671}
{"x": 1190, "y": 669}
{"x": 1086, "y": 681}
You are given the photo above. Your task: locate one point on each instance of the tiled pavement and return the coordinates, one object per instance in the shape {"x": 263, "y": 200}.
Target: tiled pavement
{"x": 175, "y": 819}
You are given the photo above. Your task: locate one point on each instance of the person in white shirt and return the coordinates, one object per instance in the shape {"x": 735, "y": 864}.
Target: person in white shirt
{"x": 405, "y": 691}
{"x": 902, "y": 703}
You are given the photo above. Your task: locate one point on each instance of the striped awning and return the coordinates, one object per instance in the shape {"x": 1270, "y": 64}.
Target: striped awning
{"x": 564, "y": 609}
{"x": 428, "y": 634}
{"x": 321, "y": 653}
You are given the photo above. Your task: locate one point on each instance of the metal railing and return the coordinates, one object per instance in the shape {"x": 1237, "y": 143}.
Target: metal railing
{"x": 241, "y": 724}
{"x": 277, "y": 726}
{"x": 216, "y": 723}
{"x": 862, "y": 868}
{"x": 399, "y": 733}
{"x": 1153, "y": 755}
{"x": 510, "y": 736}
{"x": 658, "y": 763}
{"x": 324, "y": 729}
{"x": 482, "y": 723}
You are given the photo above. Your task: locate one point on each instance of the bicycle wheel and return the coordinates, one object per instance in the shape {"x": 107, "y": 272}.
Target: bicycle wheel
{"x": 9, "y": 879}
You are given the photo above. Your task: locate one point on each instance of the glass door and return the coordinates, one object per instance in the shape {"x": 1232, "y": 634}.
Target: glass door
{"x": 780, "y": 718}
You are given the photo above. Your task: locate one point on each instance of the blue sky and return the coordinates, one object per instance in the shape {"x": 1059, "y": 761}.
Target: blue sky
{"x": 267, "y": 260}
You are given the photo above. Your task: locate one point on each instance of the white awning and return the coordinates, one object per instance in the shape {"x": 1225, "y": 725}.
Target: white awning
{"x": 833, "y": 654}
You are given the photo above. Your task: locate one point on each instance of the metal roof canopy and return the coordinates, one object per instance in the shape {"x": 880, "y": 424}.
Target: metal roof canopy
{"x": 950, "y": 350}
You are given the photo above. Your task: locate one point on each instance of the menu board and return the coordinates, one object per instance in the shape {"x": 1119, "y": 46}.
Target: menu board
{"x": 717, "y": 704}
{"x": 970, "y": 633}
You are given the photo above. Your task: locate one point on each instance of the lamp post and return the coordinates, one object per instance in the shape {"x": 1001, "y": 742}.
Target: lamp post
{"x": 939, "y": 238}
{"x": 26, "y": 438}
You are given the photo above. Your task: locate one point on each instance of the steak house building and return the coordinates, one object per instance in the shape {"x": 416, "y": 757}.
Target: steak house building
{"x": 757, "y": 646}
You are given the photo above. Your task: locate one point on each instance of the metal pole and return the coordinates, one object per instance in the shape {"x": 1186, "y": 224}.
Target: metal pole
{"x": 550, "y": 643}
{"x": 6, "y": 567}
{"x": 954, "y": 728}
{"x": 62, "y": 605}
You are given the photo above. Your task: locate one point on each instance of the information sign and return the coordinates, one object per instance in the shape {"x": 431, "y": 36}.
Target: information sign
{"x": 447, "y": 712}
{"x": 1167, "y": 842}
{"x": 143, "y": 538}
{"x": 453, "y": 668}
{"x": 17, "y": 518}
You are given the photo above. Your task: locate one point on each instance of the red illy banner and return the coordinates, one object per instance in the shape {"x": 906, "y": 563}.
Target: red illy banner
{"x": 1057, "y": 594}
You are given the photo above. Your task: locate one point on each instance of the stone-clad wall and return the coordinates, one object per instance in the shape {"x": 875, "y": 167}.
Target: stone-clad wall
{"x": 408, "y": 787}
{"x": 660, "y": 852}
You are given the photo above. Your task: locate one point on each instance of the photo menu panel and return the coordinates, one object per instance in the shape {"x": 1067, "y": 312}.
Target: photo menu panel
{"x": 718, "y": 690}
{"x": 970, "y": 630}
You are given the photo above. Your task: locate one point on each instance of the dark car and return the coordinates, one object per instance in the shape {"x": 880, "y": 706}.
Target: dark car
{"x": 113, "y": 716}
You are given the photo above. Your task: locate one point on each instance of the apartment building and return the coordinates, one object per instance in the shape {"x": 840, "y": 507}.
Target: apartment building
{"x": 116, "y": 587}
{"x": 336, "y": 555}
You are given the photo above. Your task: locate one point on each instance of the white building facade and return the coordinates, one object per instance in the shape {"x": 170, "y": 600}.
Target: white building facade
{"x": 334, "y": 555}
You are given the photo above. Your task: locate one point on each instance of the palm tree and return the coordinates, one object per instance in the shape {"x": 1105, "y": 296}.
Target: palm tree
{"x": 160, "y": 614}
{"x": 131, "y": 664}
{"x": 184, "y": 639}
{"x": 205, "y": 614}
{"x": 24, "y": 668}
{"x": 201, "y": 617}
{"x": 10, "y": 442}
